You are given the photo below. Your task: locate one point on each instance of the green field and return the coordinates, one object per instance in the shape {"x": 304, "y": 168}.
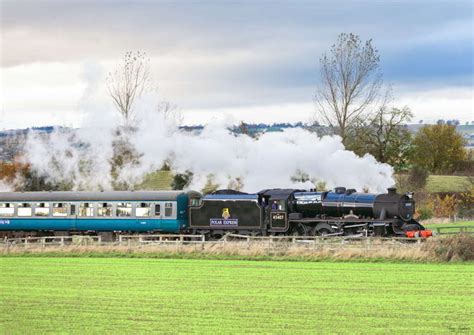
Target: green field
{"x": 111, "y": 295}
{"x": 438, "y": 183}
{"x": 450, "y": 225}
{"x": 158, "y": 180}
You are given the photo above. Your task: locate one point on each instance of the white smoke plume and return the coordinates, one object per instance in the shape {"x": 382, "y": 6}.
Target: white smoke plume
{"x": 82, "y": 156}
{"x": 4, "y": 187}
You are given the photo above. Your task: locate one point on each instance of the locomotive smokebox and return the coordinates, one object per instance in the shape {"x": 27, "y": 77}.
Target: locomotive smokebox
{"x": 392, "y": 205}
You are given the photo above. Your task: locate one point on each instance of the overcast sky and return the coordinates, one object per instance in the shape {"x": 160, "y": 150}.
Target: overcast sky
{"x": 254, "y": 60}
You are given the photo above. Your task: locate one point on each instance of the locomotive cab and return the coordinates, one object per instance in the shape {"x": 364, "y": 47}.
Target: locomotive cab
{"x": 278, "y": 208}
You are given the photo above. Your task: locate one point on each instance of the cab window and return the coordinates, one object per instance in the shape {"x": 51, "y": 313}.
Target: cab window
{"x": 195, "y": 201}
{"x": 281, "y": 205}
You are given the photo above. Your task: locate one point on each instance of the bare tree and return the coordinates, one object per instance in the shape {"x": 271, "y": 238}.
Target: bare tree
{"x": 128, "y": 82}
{"x": 171, "y": 113}
{"x": 350, "y": 83}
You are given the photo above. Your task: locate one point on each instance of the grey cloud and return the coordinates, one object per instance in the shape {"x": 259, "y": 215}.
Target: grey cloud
{"x": 281, "y": 40}
{"x": 72, "y": 30}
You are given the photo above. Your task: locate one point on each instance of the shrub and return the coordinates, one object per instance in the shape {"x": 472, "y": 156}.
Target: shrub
{"x": 466, "y": 204}
{"x": 443, "y": 206}
{"x": 424, "y": 213}
{"x": 453, "y": 248}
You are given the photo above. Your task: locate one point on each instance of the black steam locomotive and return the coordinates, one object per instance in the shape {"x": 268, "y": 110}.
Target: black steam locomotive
{"x": 306, "y": 213}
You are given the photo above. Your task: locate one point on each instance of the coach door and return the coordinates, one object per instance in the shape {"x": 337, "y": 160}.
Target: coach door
{"x": 278, "y": 217}
{"x": 158, "y": 209}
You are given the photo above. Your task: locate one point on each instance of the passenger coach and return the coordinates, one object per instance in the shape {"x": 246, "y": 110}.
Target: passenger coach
{"x": 65, "y": 212}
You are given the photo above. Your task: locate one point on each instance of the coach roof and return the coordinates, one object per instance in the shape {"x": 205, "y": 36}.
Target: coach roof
{"x": 94, "y": 196}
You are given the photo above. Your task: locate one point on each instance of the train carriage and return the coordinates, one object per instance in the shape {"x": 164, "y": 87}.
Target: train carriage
{"x": 80, "y": 212}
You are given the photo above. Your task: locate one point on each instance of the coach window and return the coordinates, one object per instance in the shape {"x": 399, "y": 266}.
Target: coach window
{"x": 42, "y": 209}
{"x": 124, "y": 209}
{"x": 143, "y": 209}
{"x": 104, "y": 209}
{"x": 7, "y": 209}
{"x": 59, "y": 209}
{"x": 157, "y": 210}
{"x": 168, "y": 209}
{"x": 24, "y": 209}
{"x": 86, "y": 209}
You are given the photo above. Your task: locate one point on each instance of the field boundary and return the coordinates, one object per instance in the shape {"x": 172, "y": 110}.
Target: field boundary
{"x": 438, "y": 249}
{"x": 178, "y": 239}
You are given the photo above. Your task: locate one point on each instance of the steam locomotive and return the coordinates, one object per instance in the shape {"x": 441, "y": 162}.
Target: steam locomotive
{"x": 268, "y": 212}
{"x": 306, "y": 213}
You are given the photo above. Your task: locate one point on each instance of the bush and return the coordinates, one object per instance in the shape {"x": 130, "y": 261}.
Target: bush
{"x": 453, "y": 248}
{"x": 466, "y": 204}
{"x": 443, "y": 205}
{"x": 424, "y": 213}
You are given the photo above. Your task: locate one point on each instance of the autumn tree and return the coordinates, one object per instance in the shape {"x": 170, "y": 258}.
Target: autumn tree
{"x": 350, "y": 83}
{"x": 438, "y": 148}
{"x": 384, "y": 135}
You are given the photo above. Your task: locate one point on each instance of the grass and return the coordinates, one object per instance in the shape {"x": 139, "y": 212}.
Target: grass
{"x": 112, "y": 295}
{"x": 449, "y": 225}
{"x": 159, "y": 180}
{"x": 453, "y": 248}
{"x": 438, "y": 183}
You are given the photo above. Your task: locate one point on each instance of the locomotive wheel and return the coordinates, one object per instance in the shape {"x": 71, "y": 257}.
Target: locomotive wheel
{"x": 215, "y": 236}
{"x": 299, "y": 230}
{"x": 322, "y": 229}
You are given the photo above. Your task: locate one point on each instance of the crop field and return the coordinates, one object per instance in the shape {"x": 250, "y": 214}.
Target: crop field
{"x": 439, "y": 183}
{"x": 117, "y": 295}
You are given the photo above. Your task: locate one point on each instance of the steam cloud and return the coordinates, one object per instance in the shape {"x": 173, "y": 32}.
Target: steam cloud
{"x": 83, "y": 155}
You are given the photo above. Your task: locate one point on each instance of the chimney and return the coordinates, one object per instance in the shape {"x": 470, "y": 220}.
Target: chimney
{"x": 340, "y": 190}
{"x": 392, "y": 190}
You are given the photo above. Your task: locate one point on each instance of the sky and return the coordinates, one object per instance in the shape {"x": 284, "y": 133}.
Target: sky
{"x": 256, "y": 61}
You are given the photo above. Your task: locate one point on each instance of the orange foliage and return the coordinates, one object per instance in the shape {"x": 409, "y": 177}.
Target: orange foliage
{"x": 10, "y": 170}
{"x": 443, "y": 207}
